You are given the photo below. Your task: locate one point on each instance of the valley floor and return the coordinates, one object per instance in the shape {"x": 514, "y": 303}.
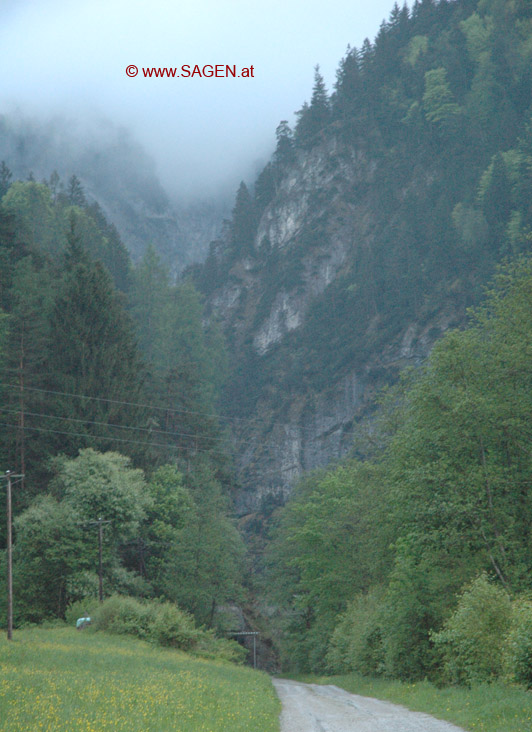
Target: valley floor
{"x": 60, "y": 680}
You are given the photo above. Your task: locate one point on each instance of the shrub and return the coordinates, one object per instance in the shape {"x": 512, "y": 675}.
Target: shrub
{"x": 80, "y": 608}
{"x": 472, "y": 640}
{"x": 170, "y": 626}
{"x": 222, "y": 649}
{"x": 356, "y": 644}
{"x": 518, "y": 657}
{"x": 124, "y": 615}
{"x": 162, "y": 623}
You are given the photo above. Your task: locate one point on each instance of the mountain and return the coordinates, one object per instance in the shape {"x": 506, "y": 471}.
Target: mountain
{"x": 116, "y": 173}
{"x": 374, "y": 227}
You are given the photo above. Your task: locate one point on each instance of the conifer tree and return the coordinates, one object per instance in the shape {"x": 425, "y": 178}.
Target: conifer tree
{"x": 313, "y": 117}
{"x": 93, "y": 354}
{"x": 243, "y": 224}
{"x": 75, "y": 193}
{"x": 27, "y": 343}
{"x": 5, "y": 178}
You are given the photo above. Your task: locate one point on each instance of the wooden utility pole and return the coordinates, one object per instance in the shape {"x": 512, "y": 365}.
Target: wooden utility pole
{"x": 9, "y": 560}
{"x": 100, "y": 561}
{"x": 8, "y": 476}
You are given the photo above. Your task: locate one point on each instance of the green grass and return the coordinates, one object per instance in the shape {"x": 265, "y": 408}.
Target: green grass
{"x": 61, "y": 680}
{"x": 486, "y": 707}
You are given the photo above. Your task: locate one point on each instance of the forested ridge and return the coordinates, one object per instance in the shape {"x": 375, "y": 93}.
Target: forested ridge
{"x": 109, "y": 379}
{"x": 395, "y": 204}
{"x": 416, "y": 561}
{"x": 382, "y": 214}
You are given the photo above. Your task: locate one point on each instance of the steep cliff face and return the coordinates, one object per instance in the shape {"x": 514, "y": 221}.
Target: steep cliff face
{"x": 314, "y": 243}
{"x": 373, "y": 227}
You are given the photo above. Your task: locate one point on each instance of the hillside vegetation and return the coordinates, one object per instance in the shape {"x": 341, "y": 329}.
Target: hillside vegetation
{"x": 396, "y": 203}
{"x": 417, "y": 561}
{"x": 109, "y": 380}
{"x": 377, "y": 222}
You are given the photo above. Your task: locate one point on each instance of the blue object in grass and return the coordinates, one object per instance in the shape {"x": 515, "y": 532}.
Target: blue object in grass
{"x": 82, "y": 622}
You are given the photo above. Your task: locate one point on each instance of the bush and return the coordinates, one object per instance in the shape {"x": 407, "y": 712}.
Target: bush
{"x": 124, "y": 615}
{"x": 170, "y": 626}
{"x": 356, "y": 644}
{"x": 222, "y": 649}
{"x": 473, "y": 638}
{"x": 518, "y": 657}
{"x": 161, "y": 623}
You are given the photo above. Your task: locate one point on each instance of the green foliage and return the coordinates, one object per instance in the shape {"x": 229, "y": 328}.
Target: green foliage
{"x": 313, "y": 117}
{"x": 478, "y": 32}
{"x": 356, "y": 644}
{"x": 416, "y": 49}
{"x": 74, "y": 382}
{"x": 472, "y": 639}
{"x": 439, "y": 105}
{"x": 446, "y": 489}
{"x": 243, "y": 223}
{"x": 92, "y": 353}
{"x": 205, "y": 566}
{"x": 172, "y": 627}
{"x": 104, "y": 485}
{"x": 49, "y": 548}
{"x": 188, "y": 363}
{"x": 80, "y": 609}
{"x": 325, "y": 552}
{"x": 36, "y": 218}
{"x": 56, "y": 546}
{"x": 518, "y": 645}
{"x": 164, "y": 624}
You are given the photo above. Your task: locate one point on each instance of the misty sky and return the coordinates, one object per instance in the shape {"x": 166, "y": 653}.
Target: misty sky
{"x": 71, "y": 55}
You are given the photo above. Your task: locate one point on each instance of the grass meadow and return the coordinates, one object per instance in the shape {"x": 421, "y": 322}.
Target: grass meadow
{"x": 61, "y": 680}
{"x": 483, "y": 708}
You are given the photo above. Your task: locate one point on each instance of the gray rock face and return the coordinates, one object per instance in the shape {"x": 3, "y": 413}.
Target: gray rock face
{"x": 321, "y": 219}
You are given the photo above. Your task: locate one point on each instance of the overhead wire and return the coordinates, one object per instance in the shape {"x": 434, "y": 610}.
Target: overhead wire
{"x": 170, "y": 433}
{"x": 177, "y": 410}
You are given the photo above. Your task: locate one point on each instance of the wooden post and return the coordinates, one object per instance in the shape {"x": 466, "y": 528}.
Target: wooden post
{"x": 9, "y": 560}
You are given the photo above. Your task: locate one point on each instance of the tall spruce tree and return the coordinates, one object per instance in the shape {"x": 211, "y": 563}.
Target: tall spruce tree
{"x": 243, "y": 224}
{"x": 94, "y": 362}
{"x": 313, "y": 117}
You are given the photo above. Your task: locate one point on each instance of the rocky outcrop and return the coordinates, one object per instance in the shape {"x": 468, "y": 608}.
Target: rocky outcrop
{"x": 320, "y": 224}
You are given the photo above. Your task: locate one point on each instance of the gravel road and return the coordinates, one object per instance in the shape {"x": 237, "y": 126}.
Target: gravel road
{"x": 316, "y": 708}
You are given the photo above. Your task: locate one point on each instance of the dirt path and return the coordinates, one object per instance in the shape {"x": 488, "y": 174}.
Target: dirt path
{"x": 316, "y": 708}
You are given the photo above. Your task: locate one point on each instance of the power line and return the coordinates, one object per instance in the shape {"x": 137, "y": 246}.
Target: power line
{"x": 171, "y": 433}
{"x": 114, "y": 439}
{"x": 135, "y": 442}
{"x": 176, "y": 410}
{"x": 142, "y": 444}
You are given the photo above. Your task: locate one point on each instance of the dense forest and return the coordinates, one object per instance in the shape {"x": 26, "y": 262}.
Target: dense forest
{"x": 109, "y": 382}
{"x": 158, "y": 406}
{"x": 411, "y": 557}
{"x": 369, "y": 558}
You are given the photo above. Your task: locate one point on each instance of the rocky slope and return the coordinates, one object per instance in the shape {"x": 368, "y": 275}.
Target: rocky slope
{"x": 310, "y": 243}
